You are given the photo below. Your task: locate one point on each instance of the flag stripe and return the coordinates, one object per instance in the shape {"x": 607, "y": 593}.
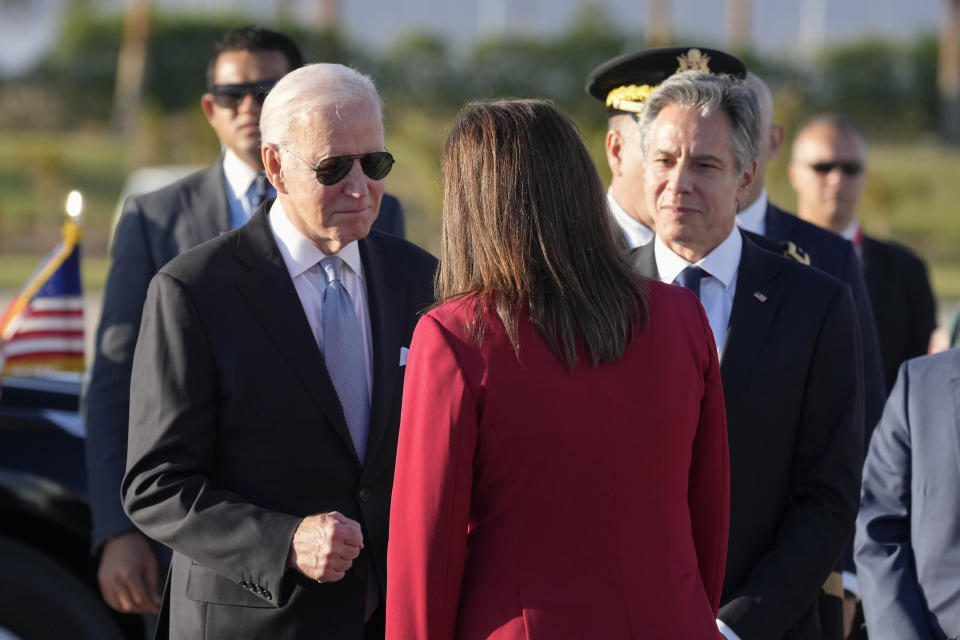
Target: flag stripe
{"x": 49, "y": 333}
{"x": 43, "y": 345}
{"x": 56, "y": 303}
{"x": 50, "y": 324}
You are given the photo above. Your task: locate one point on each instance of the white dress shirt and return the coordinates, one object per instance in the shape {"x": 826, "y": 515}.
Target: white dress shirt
{"x": 636, "y": 233}
{"x": 754, "y": 217}
{"x": 301, "y": 258}
{"x": 717, "y": 287}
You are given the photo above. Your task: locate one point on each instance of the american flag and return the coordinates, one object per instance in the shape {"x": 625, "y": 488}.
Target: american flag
{"x": 42, "y": 329}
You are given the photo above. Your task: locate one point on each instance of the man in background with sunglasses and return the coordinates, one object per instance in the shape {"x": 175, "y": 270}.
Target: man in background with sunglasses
{"x": 266, "y": 386}
{"x": 828, "y": 171}
{"x": 155, "y": 228}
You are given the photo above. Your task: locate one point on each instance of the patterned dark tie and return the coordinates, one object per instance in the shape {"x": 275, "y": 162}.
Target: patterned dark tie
{"x": 690, "y": 278}
{"x": 258, "y": 191}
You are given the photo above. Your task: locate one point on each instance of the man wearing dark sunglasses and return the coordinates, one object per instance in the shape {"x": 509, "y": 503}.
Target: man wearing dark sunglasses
{"x": 828, "y": 171}
{"x": 153, "y": 229}
{"x": 266, "y": 385}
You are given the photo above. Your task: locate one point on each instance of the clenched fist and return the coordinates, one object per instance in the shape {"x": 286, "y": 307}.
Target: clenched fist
{"x": 325, "y": 546}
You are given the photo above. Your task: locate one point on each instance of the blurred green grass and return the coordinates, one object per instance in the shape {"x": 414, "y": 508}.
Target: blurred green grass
{"x": 15, "y": 269}
{"x": 912, "y": 194}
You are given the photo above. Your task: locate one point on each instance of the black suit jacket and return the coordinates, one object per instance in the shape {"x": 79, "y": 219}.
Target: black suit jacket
{"x": 903, "y": 302}
{"x": 236, "y": 433}
{"x": 153, "y": 229}
{"x": 794, "y": 402}
{"x": 835, "y": 256}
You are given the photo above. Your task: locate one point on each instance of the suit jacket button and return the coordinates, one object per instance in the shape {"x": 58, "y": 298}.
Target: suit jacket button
{"x": 364, "y": 495}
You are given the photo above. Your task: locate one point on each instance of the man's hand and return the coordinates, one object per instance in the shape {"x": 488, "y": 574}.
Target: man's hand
{"x": 128, "y": 574}
{"x": 325, "y": 546}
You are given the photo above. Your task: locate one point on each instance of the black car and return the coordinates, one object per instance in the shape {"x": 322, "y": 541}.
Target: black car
{"x": 47, "y": 574}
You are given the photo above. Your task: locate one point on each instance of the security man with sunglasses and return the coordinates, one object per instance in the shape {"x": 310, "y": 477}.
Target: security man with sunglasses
{"x": 153, "y": 229}
{"x": 266, "y": 386}
{"x": 828, "y": 172}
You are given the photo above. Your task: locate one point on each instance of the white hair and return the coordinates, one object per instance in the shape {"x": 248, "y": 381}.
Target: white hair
{"x": 314, "y": 88}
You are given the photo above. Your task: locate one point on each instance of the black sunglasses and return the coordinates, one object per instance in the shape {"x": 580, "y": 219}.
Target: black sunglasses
{"x": 851, "y": 168}
{"x": 375, "y": 165}
{"x": 229, "y": 96}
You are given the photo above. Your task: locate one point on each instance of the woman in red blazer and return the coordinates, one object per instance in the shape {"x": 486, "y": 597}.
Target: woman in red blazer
{"x": 562, "y": 465}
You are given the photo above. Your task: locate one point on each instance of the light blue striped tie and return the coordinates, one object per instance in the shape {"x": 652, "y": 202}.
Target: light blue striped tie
{"x": 342, "y": 347}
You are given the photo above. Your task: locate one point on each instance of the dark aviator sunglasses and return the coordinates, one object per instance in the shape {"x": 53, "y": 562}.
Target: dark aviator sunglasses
{"x": 229, "y": 96}
{"x": 851, "y": 168}
{"x": 375, "y": 165}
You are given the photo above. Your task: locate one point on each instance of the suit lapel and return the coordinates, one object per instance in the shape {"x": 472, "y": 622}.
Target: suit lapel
{"x": 643, "y": 260}
{"x": 269, "y": 291}
{"x": 755, "y": 304}
{"x": 210, "y": 212}
{"x": 385, "y": 293}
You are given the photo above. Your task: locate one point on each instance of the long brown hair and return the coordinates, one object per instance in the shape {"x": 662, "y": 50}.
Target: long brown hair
{"x": 525, "y": 222}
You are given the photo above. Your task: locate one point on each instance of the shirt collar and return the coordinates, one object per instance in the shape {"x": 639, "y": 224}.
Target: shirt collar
{"x": 238, "y": 173}
{"x": 851, "y": 231}
{"x": 638, "y": 234}
{"x": 299, "y": 253}
{"x": 722, "y": 263}
{"x": 753, "y": 218}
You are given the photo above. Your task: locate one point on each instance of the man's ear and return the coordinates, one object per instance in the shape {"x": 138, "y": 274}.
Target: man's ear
{"x": 791, "y": 174}
{"x": 206, "y": 103}
{"x": 272, "y": 166}
{"x": 615, "y": 146}
{"x": 746, "y": 180}
{"x": 777, "y": 134}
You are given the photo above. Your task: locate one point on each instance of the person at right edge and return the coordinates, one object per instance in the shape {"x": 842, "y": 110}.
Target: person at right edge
{"x": 562, "y": 463}
{"x": 789, "y": 348}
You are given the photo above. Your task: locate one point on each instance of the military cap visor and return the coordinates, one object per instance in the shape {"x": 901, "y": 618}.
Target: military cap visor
{"x": 624, "y": 82}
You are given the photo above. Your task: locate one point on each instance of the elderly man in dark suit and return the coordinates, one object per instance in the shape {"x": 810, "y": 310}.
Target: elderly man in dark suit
{"x": 266, "y": 388}
{"x": 790, "y": 353}
{"x": 153, "y": 229}
{"x": 907, "y": 547}
{"x": 828, "y": 169}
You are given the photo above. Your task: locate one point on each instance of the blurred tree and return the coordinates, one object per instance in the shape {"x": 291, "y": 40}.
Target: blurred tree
{"x": 656, "y": 23}
{"x": 948, "y": 80}
{"x": 884, "y": 86}
{"x": 130, "y": 65}
{"x": 736, "y": 27}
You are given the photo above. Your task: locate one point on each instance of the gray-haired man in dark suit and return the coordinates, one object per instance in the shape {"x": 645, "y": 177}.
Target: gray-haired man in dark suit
{"x": 153, "y": 229}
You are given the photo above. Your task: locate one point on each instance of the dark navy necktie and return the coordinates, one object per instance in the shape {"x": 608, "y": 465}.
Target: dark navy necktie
{"x": 258, "y": 191}
{"x": 690, "y": 278}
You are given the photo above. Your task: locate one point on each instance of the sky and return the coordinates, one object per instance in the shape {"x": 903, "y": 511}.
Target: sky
{"x": 778, "y": 27}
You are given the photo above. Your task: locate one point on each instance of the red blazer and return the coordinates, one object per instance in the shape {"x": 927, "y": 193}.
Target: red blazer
{"x": 533, "y": 502}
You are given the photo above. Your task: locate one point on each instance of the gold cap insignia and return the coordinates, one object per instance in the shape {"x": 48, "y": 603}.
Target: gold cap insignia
{"x": 794, "y": 252}
{"x": 693, "y": 60}
{"x": 629, "y": 97}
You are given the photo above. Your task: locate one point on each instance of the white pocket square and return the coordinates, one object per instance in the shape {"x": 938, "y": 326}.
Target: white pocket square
{"x": 404, "y": 352}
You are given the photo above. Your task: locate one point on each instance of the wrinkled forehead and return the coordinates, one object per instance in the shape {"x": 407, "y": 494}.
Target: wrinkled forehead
{"x": 354, "y": 120}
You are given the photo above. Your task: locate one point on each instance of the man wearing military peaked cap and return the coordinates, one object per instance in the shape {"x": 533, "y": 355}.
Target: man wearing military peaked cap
{"x": 623, "y": 84}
